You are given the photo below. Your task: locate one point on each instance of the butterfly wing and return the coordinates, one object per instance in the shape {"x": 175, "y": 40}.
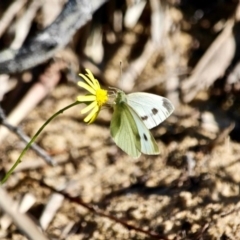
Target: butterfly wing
{"x": 124, "y": 130}
{"x": 148, "y": 143}
{"x": 151, "y": 108}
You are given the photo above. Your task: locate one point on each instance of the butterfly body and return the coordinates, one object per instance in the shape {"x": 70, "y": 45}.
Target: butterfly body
{"x": 134, "y": 114}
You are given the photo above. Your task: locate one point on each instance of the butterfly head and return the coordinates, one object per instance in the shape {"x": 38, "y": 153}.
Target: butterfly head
{"x": 116, "y": 96}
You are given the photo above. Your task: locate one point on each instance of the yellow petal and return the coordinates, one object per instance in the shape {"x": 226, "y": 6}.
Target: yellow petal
{"x": 94, "y": 117}
{"x": 88, "y": 98}
{"x": 89, "y": 107}
{"x": 93, "y": 79}
{"x": 89, "y": 81}
{"x": 87, "y": 87}
{"x": 90, "y": 74}
{"x": 97, "y": 84}
{"x": 91, "y": 114}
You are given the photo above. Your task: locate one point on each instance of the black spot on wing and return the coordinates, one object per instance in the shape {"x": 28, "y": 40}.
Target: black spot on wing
{"x": 144, "y": 118}
{"x": 167, "y": 105}
{"x": 145, "y": 137}
{"x": 154, "y": 111}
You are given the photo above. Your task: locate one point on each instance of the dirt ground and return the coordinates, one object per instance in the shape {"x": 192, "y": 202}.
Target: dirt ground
{"x": 189, "y": 191}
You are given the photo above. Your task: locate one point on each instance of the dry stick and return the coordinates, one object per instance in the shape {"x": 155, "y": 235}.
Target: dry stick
{"x": 50, "y": 10}
{"x": 36, "y": 164}
{"x": 129, "y": 76}
{"x": 10, "y": 13}
{"x": 161, "y": 21}
{"x": 22, "y": 28}
{"x": 47, "y": 81}
{"x": 95, "y": 210}
{"x": 171, "y": 59}
{"x": 214, "y": 62}
{"x": 134, "y": 70}
{"x": 212, "y": 65}
{"x": 220, "y": 137}
{"x": 152, "y": 82}
{"x": 157, "y": 21}
{"x": 23, "y": 222}
{"x": 33, "y": 139}
{"x": 25, "y": 138}
{"x": 74, "y": 15}
{"x": 22, "y": 205}
{"x": 233, "y": 77}
{"x": 38, "y": 91}
{"x": 24, "y": 24}
{"x": 5, "y": 85}
{"x": 54, "y": 203}
{"x": 133, "y": 13}
{"x": 160, "y": 80}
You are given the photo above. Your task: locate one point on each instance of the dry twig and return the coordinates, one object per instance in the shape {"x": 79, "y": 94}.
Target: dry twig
{"x": 54, "y": 203}
{"x": 23, "y": 222}
{"x": 215, "y": 61}
{"x": 129, "y": 77}
{"x": 25, "y": 138}
{"x": 24, "y": 24}
{"x": 77, "y": 200}
{"x": 10, "y": 13}
{"x": 47, "y": 81}
{"x": 42, "y": 47}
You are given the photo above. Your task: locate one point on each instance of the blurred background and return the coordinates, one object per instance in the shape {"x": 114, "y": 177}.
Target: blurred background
{"x": 75, "y": 183}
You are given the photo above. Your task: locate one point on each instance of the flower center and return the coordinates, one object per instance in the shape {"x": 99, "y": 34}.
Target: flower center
{"x": 101, "y": 97}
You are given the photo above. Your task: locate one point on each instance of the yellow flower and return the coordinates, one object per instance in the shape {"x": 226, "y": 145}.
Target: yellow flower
{"x": 97, "y": 97}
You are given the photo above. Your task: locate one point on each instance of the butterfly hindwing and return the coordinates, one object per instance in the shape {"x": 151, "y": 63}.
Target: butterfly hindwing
{"x": 151, "y": 108}
{"x": 148, "y": 143}
{"x": 124, "y": 130}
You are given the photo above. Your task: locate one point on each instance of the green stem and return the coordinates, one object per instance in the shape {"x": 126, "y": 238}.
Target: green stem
{"x": 34, "y": 138}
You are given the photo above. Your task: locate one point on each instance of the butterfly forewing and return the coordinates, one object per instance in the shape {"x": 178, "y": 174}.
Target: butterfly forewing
{"x": 151, "y": 108}
{"x": 124, "y": 131}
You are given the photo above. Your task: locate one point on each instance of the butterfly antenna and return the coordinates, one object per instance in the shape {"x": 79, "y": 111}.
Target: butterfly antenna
{"x": 120, "y": 64}
{"x": 120, "y": 69}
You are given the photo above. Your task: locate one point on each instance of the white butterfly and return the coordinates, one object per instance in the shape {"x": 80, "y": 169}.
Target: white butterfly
{"x": 133, "y": 115}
